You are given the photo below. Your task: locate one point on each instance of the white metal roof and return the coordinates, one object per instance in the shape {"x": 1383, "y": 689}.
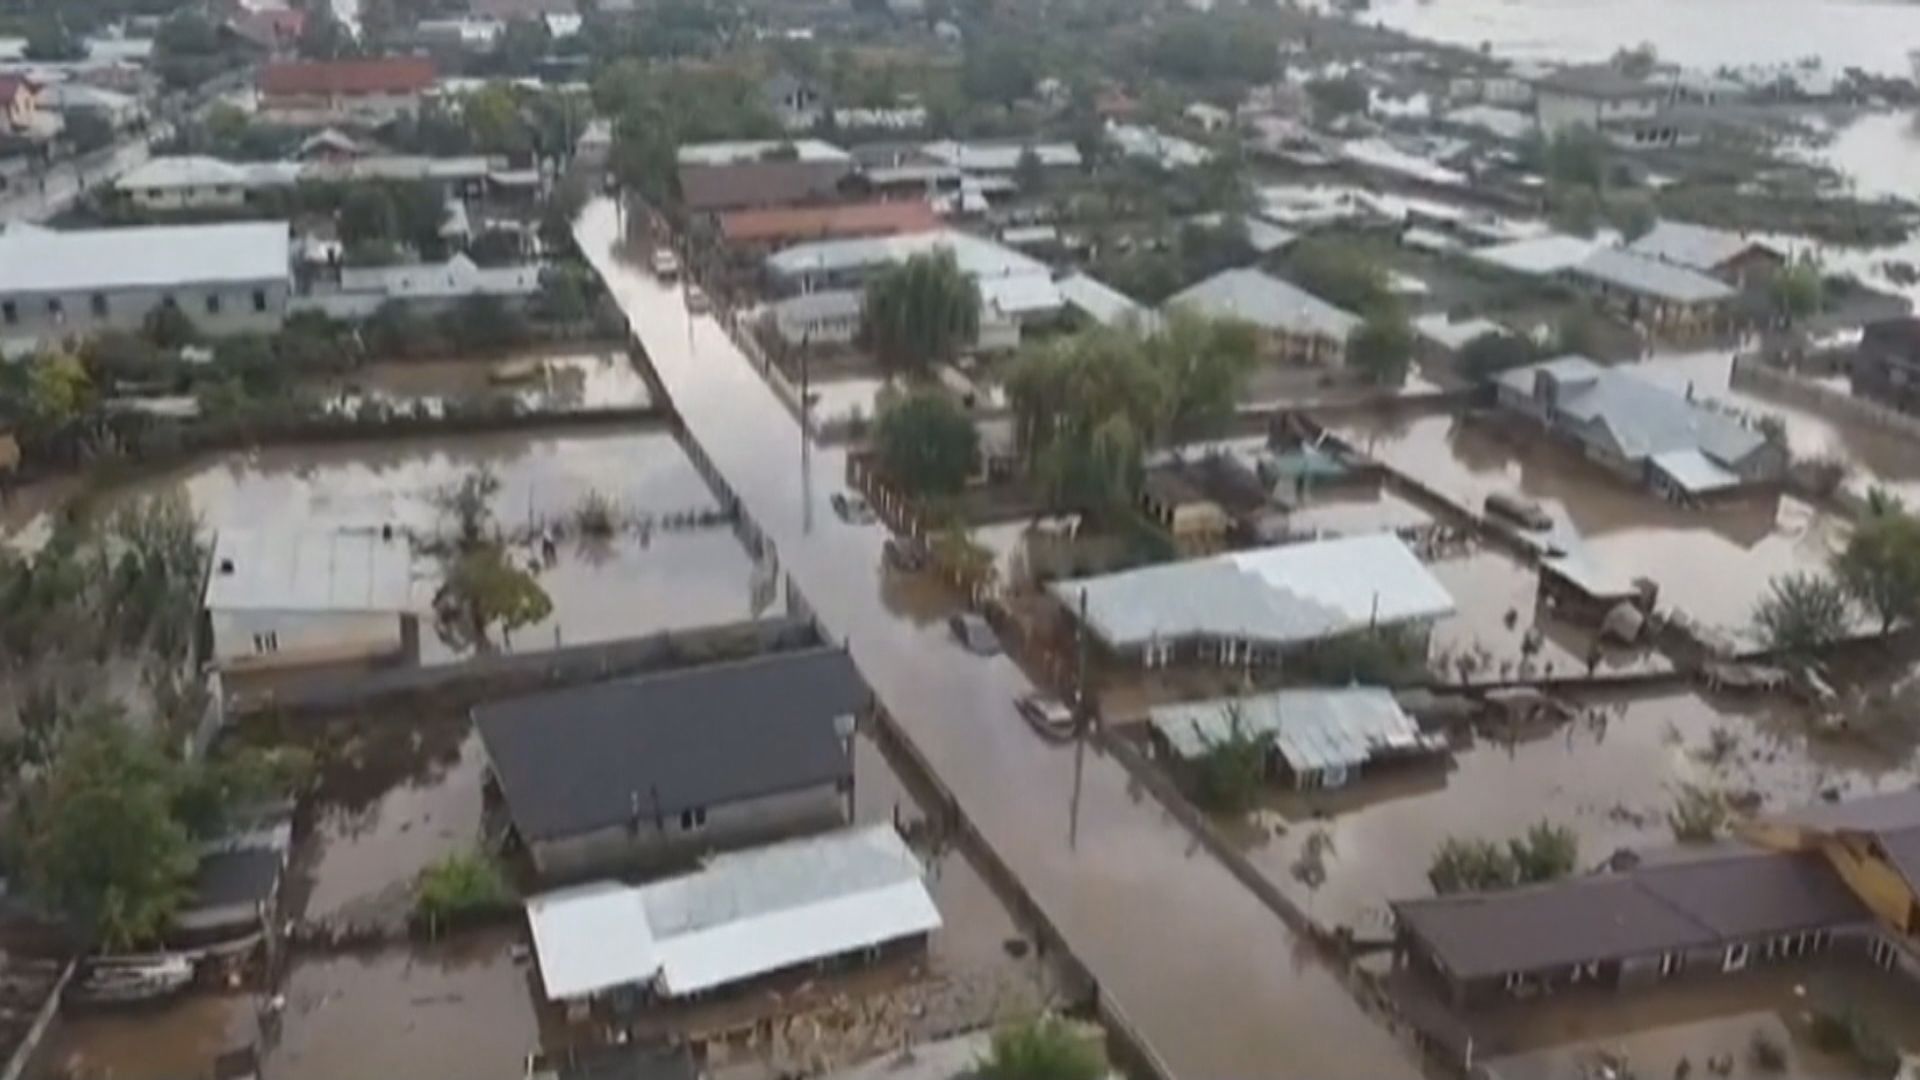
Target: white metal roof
{"x": 1695, "y": 472}
{"x": 1001, "y": 157}
{"x": 977, "y": 257}
{"x": 1268, "y": 302}
{"x": 458, "y": 276}
{"x": 1312, "y": 729}
{"x": 1452, "y": 335}
{"x": 1169, "y": 151}
{"x": 745, "y": 914}
{"x": 1696, "y": 246}
{"x": 1651, "y": 277}
{"x": 1100, "y": 301}
{"x": 335, "y": 570}
{"x": 1540, "y": 255}
{"x": 738, "y": 152}
{"x": 1264, "y": 236}
{"x": 1020, "y": 294}
{"x": 1286, "y": 594}
{"x": 35, "y": 260}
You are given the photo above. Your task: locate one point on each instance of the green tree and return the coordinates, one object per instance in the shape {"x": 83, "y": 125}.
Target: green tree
{"x": 58, "y": 388}
{"x": 1800, "y": 613}
{"x": 927, "y": 443}
{"x": 1232, "y": 767}
{"x": 50, "y": 42}
{"x": 458, "y": 886}
{"x": 1879, "y": 569}
{"x": 1381, "y": 347}
{"x": 1042, "y": 1048}
{"x": 1471, "y": 865}
{"x": 563, "y": 296}
{"x": 1332, "y": 98}
{"x": 921, "y": 312}
{"x": 1798, "y": 290}
{"x": 325, "y": 37}
{"x": 1339, "y": 274}
{"x": 492, "y": 115}
{"x": 1494, "y": 352}
{"x": 368, "y": 215}
{"x": 169, "y": 328}
{"x": 1699, "y": 814}
{"x": 483, "y": 589}
{"x": 1546, "y": 853}
{"x": 88, "y": 130}
{"x": 469, "y": 503}
{"x": 1202, "y": 364}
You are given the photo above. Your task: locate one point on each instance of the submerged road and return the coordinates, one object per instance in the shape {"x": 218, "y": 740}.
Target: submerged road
{"x": 1212, "y": 980}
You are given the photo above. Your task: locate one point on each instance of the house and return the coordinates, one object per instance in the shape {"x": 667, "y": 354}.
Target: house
{"x": 1645, "y": 433}
{"x": 1537, "y": 256}
{"x": 374, "y": 90}
{"x": 19, "y": 105}
{"x": 280, "y": 598}
{"x": 1096, "y": 300}
{"x": 1296, "y": 325}
{"x": 796, "y": 103}
{"x": 1738, "y": 260}
{"x": 1195, "y": 523}
{"x": 716, "y": 177}
{"x": 1144, "y": 143}
{"x": 1441, "y": 337}
{"x": 1252, "y": 607}
{"x": 763, "y": 231}
{"x": 1591, "y": 97}
{"x": 663, "y": 768}
{"x": 1319, "y": 738}
{"x": 1886, "y": 367}
{"x": 199, "y": 183}
{"x": 1873, "y": 844}
{"x": 71, "y": 96}
{"x": 228, "y": 278}
{"x": 1262, "y": 235}
{"x": 426, "y": 288}
{"x": 1645, "y": 290}
{"x": 742, "y": 916}
{"x": 1001, "y": 158}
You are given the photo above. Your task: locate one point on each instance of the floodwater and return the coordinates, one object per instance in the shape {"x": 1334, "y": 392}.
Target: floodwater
{"x": 856, "y": 396}
{"x": 550, "y": 382}
{"x": 1212, "y": 980}
{"x": 1712, "y": 563}
{"x": 1494, "y": 596}
{"x": 1877, "y": 153}
{"x": 174, "y": 1039}
{"x": 1611, "y": 781}
{"x": 1870, "y": 34}
{"x": 638, "y": 581}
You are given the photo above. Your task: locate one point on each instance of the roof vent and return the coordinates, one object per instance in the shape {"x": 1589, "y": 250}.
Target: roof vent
{"x": 226, "y": 567}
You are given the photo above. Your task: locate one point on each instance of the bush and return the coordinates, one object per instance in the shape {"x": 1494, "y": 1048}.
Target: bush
{"x": 1382, "y": 656}
{"x": 462, "y": 886}
{"x": 1042, "y": 1048}
{"x": 595, "y": 516}
{"x": 1699, "y": 815}
{"x": 1470, "y": 865}
{"x": 1230, "y": 771}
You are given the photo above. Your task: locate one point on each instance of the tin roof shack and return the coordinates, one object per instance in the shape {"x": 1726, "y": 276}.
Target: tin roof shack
{"x": 1738, "y": 260}
{"x": 662, "y": 768}
{"x": 1321, "y": 738}
{"x": 743, "y": 916}
{"x": 1252, "y": 607}
{"x": 1297, "y": 326}
{"x": 1887, "y": 366}
{"x": 279, "y": 599}
{"x": 1642, "y": 432}
{"x": 1664, "y": 296}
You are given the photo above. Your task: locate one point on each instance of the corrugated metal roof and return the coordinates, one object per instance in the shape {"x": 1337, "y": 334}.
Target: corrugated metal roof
{"x": 1444, "y": 331}
{"x": 1001, "y": 157}
{"x": 1538, "y": 256}
{"x": 1651, "y": 277}
{"x": 1312, "y": 729}
{"x": 977, "y": 257}
{"x": 337, "y": 570}
{"x": 745, "y": 914}
{"x": 35, "y": 260}
{"x": 1695, "y": 246}
{"x": 1101, "y": 302}
{"x": 745, "y": 150}
{"x": 1020, "y": 294}
{"x": 1266, "y": 301}
{"x": 1285, "y": 594}
{"x": 1694, "y": 472}
{"x": 1643, "y": 419}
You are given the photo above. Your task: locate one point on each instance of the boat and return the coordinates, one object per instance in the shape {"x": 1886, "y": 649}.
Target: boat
{"x": 122, "y": 980}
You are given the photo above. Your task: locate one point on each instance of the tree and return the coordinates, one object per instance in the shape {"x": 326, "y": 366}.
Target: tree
{"x": 50, "y": 42}
{"x": 368, "y": 214}
{"x": 493, "y": 119}
{"x": 186, "y": 33}
{"x": 484, "y": 588}
{"x": 58, "y": 388}
{"x": 470, "y": 504}
{"x": 927, "y": 444}
{"x": 1637, "y": 62}
{"x": 1798, "y": 290}
{"x": 325, "y": 37}
{"x": 1470, "y": 865}
{"x": 1232, "y": 767}
{"x": 1699, "y": 814}
{"x": 1381, "y": 348}
{"x": 1203, "y": 364}
{"x": 88, "y": 130}
{"x": 1042, "y": 1048}
{"x": 1800, "y": 613}
{"x": 1577, "y": 330}
{"x": 1340, "y": 275}
{"x": 1546, "y": 853}
{"x": 1879, "y": 569}
{"x": 461, "y": 885}
{"x": 1494, "y": 352}
{"x": 169, "y": 328}
{"x": 563, "y": 296}
{"x": 1336, "y": 97}
{"x": 921, "y": 312}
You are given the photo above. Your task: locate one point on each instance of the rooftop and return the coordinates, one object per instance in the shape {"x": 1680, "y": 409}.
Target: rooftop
{"x": 1538, "y": 256}
{"x": 312, "y": 571}
{"x": 457, "y": 277}
{"x": 978, "y": 257}
{"x": 649, "y": 747}
{"x": 745, "y": 914}
{"x": 1453, "y": 335}
{"x": 1643, "y": 419}
{"x": 1651, "y": 277}
{"x": 709, "y": 186}
{"x": 378, "y": 75}
{"x": 1312, "y": 729}
{"x": 824, "y": 222}
{"x": 740, "y": 152}
{"x": 1595, "y": 81}
{"x": 1696, "y": 247}
{"x": 1287, "y": 594}
{"x": 36, "y": 260}
{"x": 1267, "y": 302}
{"x": 1101, "y": 302}
{"x": 1000, "y": 156}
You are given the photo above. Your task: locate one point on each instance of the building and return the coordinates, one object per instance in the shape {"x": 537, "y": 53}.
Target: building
{"x": 227, "y": 278}
{"x": 1102, "y": 303}
{"x": 320, "y": 92}
{"x": 796, "y": 103}
{"x": 1251, "y": 607}
{"x": 1593, "y": 98}
{"x": 19, "y": 105}
{"x": 1320, "y": 738}
{"x": 1874, "y": 846}
{"x": 1145, "y": 143}
{"x": 763, "y": 231}
{"x": 661, "y": 768}
{"x": 1660, "y": 294}
{"x": 1537, "y": 256}
{"x": 1645, "y": 433}
{"x": 72, "y": 96}
{"x": 716, "y": 177}
{"x": 1886, "y": 367}
{"x": 199, "y": 183}
{"x": 1001, "y": 158}
{"x": 1297, "y": 326}
{"x": 426, "y": 288}
{"x": 1441, "y": 336}
{"x": 743, "y": 916}
{"x": 1209, "y": 118}
{"x": 277, "y": 598}
{"x": 1738, "y": 260}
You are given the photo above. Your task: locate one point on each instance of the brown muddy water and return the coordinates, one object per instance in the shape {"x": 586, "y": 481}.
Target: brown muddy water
{"x": 551, "y": 381}
{"x": 1713, "y": 563}
{"x": 1499, "y": 631}
{"x": 1611, "y": 775}
{"x": 639, "y": 581}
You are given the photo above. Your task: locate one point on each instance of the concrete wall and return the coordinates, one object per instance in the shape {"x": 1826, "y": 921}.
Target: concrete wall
{"x": 732, "y": 825}
{"x": 58, "y": 315}
{"x": 302, "y": 637}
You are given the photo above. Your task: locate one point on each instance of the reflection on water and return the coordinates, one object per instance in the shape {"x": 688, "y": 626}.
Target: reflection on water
{"x": 542, "y": 383}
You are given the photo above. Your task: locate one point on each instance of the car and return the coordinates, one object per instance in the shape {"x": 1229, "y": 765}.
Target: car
{"x": 666, "y": 265}
{"x": 905, "y": 554}
{"x": 697, "y": 302}
{"x": 1050, "y": 716}
{"x": 974, "y": 633}
{"x": 852, "y": 509}
{"x": 1522, "y": 512}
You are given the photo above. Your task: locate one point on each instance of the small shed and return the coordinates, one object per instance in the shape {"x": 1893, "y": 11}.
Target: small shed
{"x": 1321, "y": 738}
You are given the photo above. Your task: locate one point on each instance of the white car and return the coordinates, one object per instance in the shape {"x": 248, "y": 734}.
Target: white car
{"x": 666, "y": 265}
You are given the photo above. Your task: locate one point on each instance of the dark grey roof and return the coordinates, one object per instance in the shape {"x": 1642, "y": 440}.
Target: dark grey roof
{"x": 1747, "y": 893}
{"x": 760, "y": 183}
{"x": 1874, "y": 813}
{"x": 245, "y": 876}
{"x": 1596, "y": 81}
{"x": 583, "y": 758}
{"x": 1903, "y": 851}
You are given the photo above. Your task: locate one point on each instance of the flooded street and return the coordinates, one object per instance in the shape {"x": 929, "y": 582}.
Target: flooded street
{"x": 1212, "y": 979}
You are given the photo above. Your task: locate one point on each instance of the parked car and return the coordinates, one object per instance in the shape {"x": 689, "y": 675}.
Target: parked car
{"x": 852, "y": 508}
{"x": 1050, "y": 716}
{"x": 974, "y": 633}
{"x": 905, "y": 554}
{"x": 697, "y": 302}
{"x": 666, "y": 265}
{"x": 1522, "y": 512}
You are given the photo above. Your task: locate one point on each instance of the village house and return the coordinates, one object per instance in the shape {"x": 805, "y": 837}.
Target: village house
{"x": 1319, "y": 738}
{"x": 659, "y": 769}
{"x": 19, "y": 105}
{"x": 1738, "y": 260}
{"x": 1250, "y": 608}
{"x": 319, "y": 92}
{"x": 717, "y": 177}
{"x": 1195, "y": 523}
{"x": 1595, "y": 98}
{"x": 227, "y": 278}
{"x": 1439, "y": 336}
{"x": 200, "y": 183}
{"x": 796, "y": 103}
{"x": 277, "y": 598}
{"x": 70, "y": 97}
{"x": 1644, "y": 433}
{"x": 1001, "y": 158}
{"x": 758, "y": 233}
{"x": 1886, "y": 367}
{"x": 1661, "y": 295}
{"x": 802, "y": 904}
{"x": 1294, "y": 324}
{"x": 1096, "y": 301}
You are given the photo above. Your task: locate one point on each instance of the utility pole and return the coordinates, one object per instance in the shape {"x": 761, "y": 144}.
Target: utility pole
{"x": 1082, "y": 723}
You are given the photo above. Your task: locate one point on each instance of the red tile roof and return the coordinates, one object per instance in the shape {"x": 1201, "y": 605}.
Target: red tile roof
{"x": 389, "y": 75}
{"x": 11, "y": 86}
{"x": 827, "y": 222}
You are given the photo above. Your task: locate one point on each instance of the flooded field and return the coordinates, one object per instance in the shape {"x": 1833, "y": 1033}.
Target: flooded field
{"x": 845, "y": 398}
{"x": 542, "y": 382}
{"x": 1611, "y": 775}
{"x": 1713, "y": 563}
{"x": 647, "y": 577}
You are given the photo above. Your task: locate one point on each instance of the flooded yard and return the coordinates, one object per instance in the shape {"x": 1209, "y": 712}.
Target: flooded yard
{"x": 1712, "y": 562}
{"x": 1611, "y": 774}
{"x": 1498, "y": 630}
{"x": 554, "y": 381}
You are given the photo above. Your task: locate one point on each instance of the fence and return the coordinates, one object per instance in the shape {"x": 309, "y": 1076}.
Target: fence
{"x": 1837, "y": 406}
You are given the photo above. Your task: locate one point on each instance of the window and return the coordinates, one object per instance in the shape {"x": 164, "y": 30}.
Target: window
{"x": 54, "y": 307}
{"x": 9, "y": 312}
{"x": 1736, "y": 959}
{"x": 695, "y": 818}
{"x": 99, "y": 304}
{"x": 213, "y": 303}
{"x": 268, "y": 642}
{"x": 1883, "y": 954}
{"x": 1671, "y": 964}
{"x": 259, "y": 300}
{"x": 169, "y": 302}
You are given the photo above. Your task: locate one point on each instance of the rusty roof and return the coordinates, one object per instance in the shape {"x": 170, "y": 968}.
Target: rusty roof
{"x": 380, "y": 75}
{"x": 827, "y": 222}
